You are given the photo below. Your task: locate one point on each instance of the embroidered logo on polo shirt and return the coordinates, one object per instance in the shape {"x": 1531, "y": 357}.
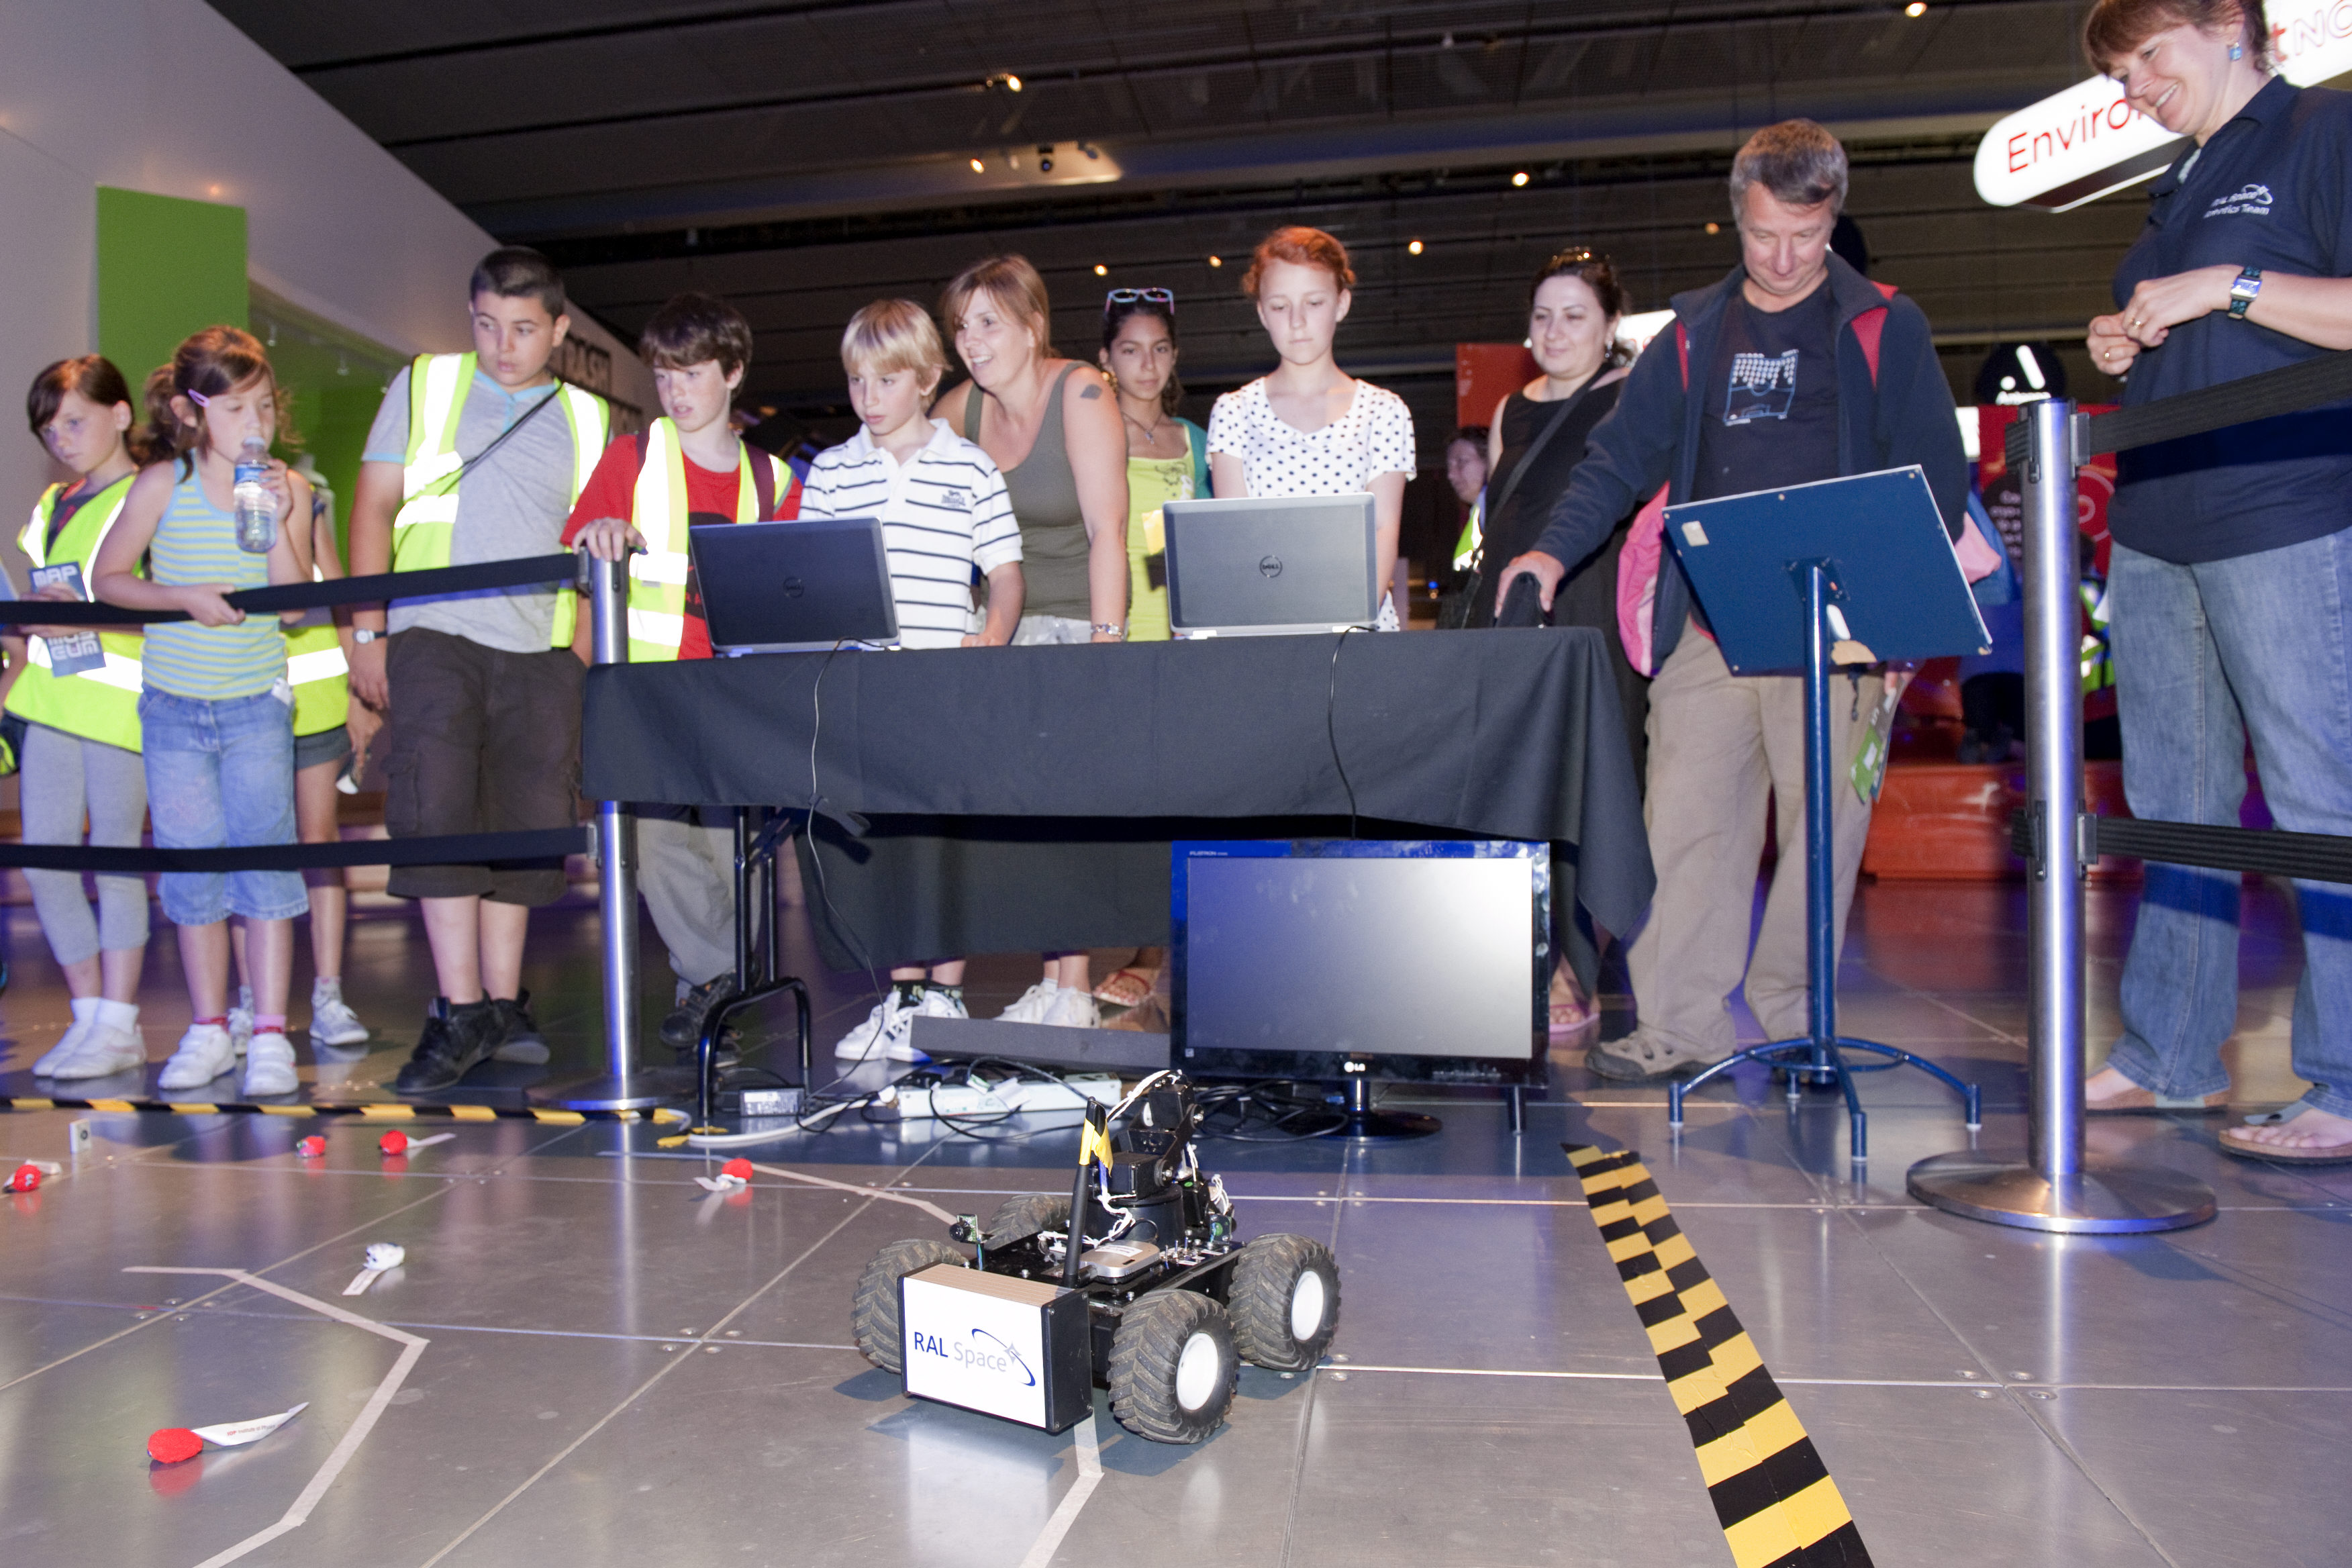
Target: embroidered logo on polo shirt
{"x": 2254, "y": 201}
{"x": 955, "y": 499}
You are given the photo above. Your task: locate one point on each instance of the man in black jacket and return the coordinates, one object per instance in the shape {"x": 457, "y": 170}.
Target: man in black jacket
{"x": 1794, "y": 368}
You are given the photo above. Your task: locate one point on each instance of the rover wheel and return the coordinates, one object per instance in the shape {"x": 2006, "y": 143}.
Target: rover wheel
{"x": 873, "y": 1315}
{"x": 1173, "y": 1366}
{"x": 1285, "y": 1301}
{"x": 1023, "y": 1216}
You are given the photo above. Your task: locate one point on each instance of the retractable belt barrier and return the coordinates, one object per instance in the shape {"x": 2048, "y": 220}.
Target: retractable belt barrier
{"x": 2290, "y": 389}
{"x": 2307, "y": 857}
{"x": 480, "y": 578}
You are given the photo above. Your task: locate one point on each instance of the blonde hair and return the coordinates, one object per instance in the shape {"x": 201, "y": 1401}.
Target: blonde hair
{"x": 1013, "y": 284}
{"x": 894, "y": 335}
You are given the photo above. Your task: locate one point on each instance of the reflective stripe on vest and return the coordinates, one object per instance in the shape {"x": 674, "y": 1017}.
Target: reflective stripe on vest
{"x": 322, "y": 678}
{"x": 100, "y": 704}
{"x": 427, "y": 520}
{"x": 658, "y": 510}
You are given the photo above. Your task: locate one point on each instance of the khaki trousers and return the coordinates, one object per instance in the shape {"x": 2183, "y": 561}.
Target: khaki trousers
{"x": 686, "y": 869}
{"x": 1720, "y": 744}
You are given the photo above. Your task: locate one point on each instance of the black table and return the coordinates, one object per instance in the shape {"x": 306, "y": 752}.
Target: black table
{"x": 1008, "y": 800}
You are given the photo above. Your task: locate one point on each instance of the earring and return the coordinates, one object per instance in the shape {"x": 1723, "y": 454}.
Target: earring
{"x": 2237, "y": 51}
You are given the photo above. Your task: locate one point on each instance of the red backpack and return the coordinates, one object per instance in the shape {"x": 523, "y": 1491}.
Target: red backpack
{"x": 1638, "y": 563}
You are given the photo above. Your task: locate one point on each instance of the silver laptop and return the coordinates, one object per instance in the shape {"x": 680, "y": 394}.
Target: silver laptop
{"x": 1257, "y": 567}
{"x": 795, "y": 587}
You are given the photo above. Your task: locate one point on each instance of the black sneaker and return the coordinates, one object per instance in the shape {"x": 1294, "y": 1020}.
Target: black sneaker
{"x": 682, "y": 1030}
{"x": 456, "y": 1040}
{"x": 519, "y": 1039}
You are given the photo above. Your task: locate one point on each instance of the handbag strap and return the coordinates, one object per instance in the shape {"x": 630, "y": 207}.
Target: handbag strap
{"x": 1534, "y": 448}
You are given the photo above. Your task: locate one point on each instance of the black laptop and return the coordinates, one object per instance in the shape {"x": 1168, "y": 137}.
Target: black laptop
{"x": 795, "y": 587}
{"x": 1260, "y": 566}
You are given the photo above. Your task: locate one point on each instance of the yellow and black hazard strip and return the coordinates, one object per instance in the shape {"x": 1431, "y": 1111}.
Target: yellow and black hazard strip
{"x": 1774, "y": 1498}
{"x": 364, "y": 1113}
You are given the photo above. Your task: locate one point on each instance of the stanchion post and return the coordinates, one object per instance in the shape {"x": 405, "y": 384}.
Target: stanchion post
{"x": 625, "y": 1084}
{"x": 2058, "y": 1188}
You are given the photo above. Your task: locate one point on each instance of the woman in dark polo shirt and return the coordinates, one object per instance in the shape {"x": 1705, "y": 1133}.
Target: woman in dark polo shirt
{"x": 2231, "y": 575}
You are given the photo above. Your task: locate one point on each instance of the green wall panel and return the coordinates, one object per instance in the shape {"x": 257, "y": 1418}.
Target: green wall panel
{"x": 166, "y": 267}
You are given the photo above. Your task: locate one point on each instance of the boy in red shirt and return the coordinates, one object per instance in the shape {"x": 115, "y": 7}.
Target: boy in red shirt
{"x": 689, "y": 469}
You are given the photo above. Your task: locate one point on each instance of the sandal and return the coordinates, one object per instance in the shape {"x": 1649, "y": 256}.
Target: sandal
{"x": 1568, "y": 1015}
{"x": 2238, "y": 1141}
{"x": 1125, "y": 987}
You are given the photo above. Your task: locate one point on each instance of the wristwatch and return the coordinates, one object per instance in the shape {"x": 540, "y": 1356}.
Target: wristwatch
{"x": 1111, "y": 629}
{"x": 362, "y": 636}
{"x": 2243, "y": 290}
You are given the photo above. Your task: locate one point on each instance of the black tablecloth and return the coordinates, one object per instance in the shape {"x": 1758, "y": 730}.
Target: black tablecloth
{"x": 1023, "y": 799}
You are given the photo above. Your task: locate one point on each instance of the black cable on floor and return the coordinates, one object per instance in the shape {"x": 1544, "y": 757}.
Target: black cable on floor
{"x": 1331, "y": 729}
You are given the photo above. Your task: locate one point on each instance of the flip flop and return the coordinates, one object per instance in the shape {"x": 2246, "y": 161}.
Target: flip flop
{"x": 2147, "y": 1102}
{"x": 2237, "y": 1141}
{"x": 1568, "y": 1016}
{"x": 1144, "y": 978}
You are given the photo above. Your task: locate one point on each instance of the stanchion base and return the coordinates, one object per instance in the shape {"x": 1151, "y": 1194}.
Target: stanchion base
{"x": 2106, "y": 1199}
{"x": 640, "y": 1090}
{"x": 1376, "y": 1125}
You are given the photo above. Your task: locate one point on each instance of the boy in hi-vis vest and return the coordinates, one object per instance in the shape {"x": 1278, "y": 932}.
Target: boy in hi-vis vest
{"x": 690, "y": 469}
{"x": 477, "y": 456}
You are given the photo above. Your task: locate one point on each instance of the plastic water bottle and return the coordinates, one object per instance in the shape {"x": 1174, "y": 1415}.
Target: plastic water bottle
{"x": 254, "y": 501}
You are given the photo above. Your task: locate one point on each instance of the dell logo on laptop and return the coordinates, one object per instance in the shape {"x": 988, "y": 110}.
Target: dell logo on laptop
{"x": 795, "y": 587}
{"x": 1270, "y": 567}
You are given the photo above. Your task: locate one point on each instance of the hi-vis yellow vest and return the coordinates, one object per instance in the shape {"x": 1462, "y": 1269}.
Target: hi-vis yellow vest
{"x": 427, "y": 518}
{"x": 658, "y": 510}
{"x": 99, "y": 704}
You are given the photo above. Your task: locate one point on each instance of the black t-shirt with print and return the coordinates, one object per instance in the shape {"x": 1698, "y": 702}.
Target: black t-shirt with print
{"x": 1771, "y": 401}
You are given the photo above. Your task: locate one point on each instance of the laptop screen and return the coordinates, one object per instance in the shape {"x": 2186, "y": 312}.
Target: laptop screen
{"x": 1259, "y": 565}
{"x": 789, "y": 586}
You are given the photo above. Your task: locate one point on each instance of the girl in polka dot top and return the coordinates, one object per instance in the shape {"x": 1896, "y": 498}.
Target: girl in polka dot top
{"x": 1309, "y": 428}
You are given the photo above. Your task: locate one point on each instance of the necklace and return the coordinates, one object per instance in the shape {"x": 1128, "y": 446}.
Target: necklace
{"x": 1151, "y": 433}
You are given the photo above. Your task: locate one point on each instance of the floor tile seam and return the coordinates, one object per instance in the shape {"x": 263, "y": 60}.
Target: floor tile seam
{"x": 2030, "y": 1408}
{"x": 1934, "y": 1001}
{"x": 2247, "y": 1278}
{"x": 696, "y": 1340}
{"x": 1348, "y": 1169}
{"x": 642, "y": 1389}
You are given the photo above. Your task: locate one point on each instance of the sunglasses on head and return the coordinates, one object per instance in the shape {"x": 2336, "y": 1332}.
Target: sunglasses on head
{"x": 1131, "y": 296}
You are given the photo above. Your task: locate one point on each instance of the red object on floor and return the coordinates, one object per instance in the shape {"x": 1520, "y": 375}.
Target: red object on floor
{"x": 172, "y": 1444}
{"x": 24, "y": 1178}
{"x": 393, "y": 1143}
{"x": 311, "y": 1148}
{"x": 738, "y": 1167}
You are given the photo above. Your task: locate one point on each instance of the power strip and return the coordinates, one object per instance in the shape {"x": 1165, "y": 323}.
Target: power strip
{"x": 1000, "y": 1098}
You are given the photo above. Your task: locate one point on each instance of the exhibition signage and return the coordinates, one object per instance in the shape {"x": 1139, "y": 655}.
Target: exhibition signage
{"x": 2080, "y": 144}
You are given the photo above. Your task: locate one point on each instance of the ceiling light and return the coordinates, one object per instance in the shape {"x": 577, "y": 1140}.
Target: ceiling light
{"x": 1216, "y": 261}
{"x": 1414, "y": 245}
{"x": 1916, "y": 8}
{"x": 1101, "y": 270}
{"x": 978, "y": 167}
{"x": 1011, "y": 83}
{"x": 1520, "y": 178}
{"x": 1715, "y": 229}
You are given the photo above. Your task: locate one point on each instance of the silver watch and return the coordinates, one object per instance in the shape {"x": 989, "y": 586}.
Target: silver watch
{"x": 361, "y": 636}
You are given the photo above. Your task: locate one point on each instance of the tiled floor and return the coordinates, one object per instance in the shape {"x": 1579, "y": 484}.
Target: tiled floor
{"x": 619, "y": 1369}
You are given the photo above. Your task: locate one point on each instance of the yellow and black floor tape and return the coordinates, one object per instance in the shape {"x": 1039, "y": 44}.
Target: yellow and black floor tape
{"x": 1774, "y": 1498}
{"x": 365, "y": 1112}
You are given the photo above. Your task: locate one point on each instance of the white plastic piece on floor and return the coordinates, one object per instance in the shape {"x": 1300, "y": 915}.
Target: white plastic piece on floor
{"x": 382, "y": 1255}
{"x": 237, "y": 1434}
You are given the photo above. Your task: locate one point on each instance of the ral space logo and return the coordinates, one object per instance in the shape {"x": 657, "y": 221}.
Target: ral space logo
{"x": 982, "y": 1352}
{"x": 2254, "y": 201}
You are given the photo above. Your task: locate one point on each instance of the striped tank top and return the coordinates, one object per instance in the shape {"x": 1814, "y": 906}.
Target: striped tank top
{"x": 196, "y": 542}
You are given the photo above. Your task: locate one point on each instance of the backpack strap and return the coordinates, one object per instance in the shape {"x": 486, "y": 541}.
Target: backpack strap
{"x": 1869, "y": 328}
{"x": 763, "y": 483}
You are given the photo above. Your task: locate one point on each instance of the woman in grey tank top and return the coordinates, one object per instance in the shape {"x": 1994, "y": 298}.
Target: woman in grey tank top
{"x": 1053, "y": 428}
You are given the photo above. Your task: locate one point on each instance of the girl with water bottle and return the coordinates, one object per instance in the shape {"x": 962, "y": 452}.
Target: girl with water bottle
{"x": 216, "y": 714}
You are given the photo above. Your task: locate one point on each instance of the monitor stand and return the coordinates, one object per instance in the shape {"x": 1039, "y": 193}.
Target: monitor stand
{"x": 1365, "y": 1123}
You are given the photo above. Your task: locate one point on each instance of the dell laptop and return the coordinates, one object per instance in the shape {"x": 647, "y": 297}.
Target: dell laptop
{"x": 1259, "y": 566}
{"x": 795, "y": 587}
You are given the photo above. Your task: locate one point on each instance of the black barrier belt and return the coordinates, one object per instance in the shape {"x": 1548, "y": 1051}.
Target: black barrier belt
{"x": 446, "y": 849}
{"x": 477, "y": 578}
{"x": 2287, "y": 390}
{"x": 2310, "y": 857}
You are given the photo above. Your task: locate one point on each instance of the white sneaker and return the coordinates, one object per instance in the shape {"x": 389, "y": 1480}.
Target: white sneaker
{"x": 85, "y": 1014}
{"x": 935, "y": 1004}
{"x": 1030, "y": 1008}
{"x": 205, "y": 1052}
{"x": 113, "y": 1044}
{"x": 269, "y": 1065}
{"x": 1073, "y": 1009}
{"x": 865, "y": 1042}
{"x": 240, "y": 1019}
{"x": 331, "y": 1022}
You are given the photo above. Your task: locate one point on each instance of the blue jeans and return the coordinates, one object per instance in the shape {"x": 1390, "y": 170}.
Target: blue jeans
{"x": 2206, "y": 657}
{"x": 220, "y": 774}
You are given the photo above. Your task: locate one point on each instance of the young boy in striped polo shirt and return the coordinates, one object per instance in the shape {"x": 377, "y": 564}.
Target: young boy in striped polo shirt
{"x": 944, "y": 514}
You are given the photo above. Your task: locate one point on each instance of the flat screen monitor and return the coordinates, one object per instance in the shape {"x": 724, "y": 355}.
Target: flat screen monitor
{"x": 795, "y": 587}
{"x": 1415, "y": 960}
{"x": 1274, "y": 565}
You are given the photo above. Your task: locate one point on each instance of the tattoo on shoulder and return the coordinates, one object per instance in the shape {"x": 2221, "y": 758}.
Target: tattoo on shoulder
{"x": 1090, "y": 393}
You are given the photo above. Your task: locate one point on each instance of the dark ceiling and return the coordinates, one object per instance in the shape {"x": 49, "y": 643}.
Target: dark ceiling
{"x": 803, "y": 158}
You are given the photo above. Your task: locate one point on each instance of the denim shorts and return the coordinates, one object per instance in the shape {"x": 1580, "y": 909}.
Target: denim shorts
{"x": 220, "y": 774}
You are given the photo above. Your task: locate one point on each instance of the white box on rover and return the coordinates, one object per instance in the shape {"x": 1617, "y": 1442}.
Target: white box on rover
{"x": 1017, "y": 1348}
